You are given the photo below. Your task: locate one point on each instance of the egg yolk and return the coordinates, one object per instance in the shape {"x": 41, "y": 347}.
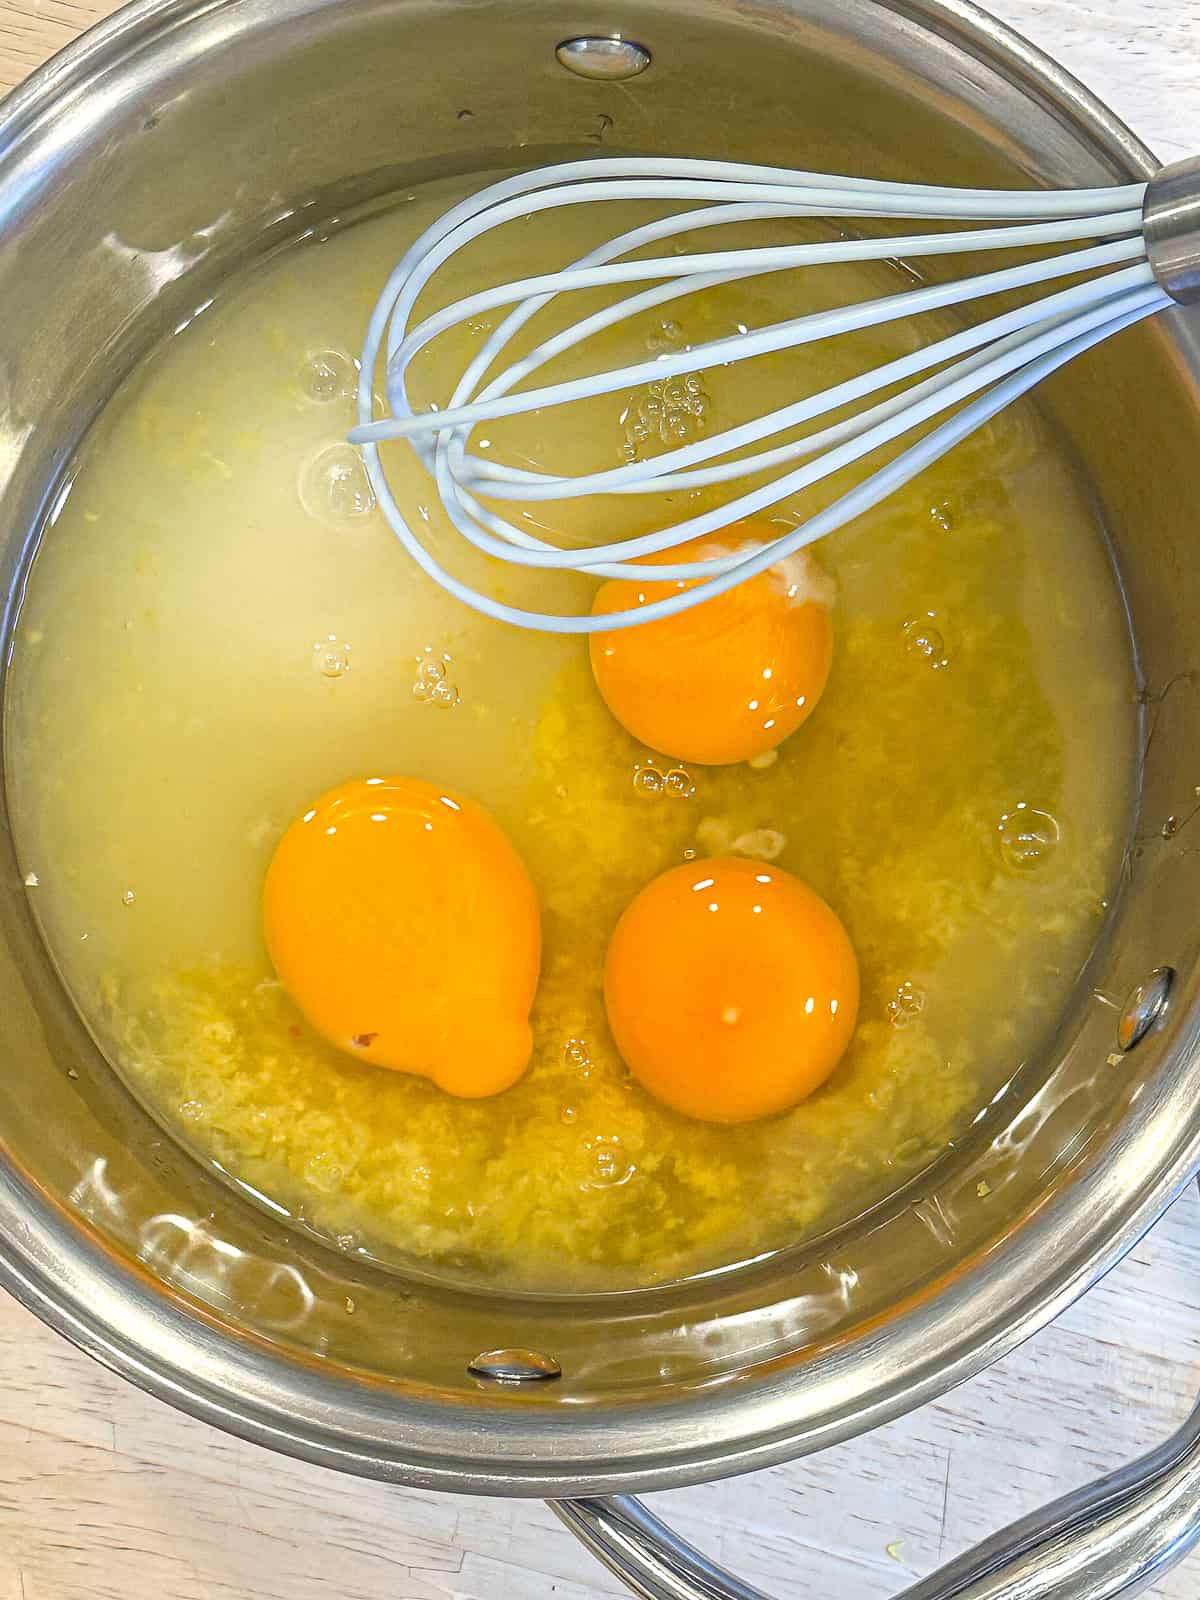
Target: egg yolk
{"x": 731, "y": 988}
{"x": 729, "y": 679}
{"x": 403, "y": 924}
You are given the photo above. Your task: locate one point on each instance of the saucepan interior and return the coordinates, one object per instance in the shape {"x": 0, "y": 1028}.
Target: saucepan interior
{"x": 171, "y": 148}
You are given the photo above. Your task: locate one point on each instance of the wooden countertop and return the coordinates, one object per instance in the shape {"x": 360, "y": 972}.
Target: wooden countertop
{"x": 107, "y": 1493}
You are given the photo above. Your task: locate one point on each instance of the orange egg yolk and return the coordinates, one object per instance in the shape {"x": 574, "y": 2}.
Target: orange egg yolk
{"x": 729, "y": 679}
{"x": 732, "y": 989}
{"x": 403, "y": 924}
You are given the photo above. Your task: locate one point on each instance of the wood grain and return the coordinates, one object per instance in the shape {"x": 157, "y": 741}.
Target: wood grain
{"x": 107, "y": 1493}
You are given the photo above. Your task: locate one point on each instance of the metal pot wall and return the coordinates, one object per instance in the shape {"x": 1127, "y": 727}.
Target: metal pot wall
{"x": 171, "y": 146}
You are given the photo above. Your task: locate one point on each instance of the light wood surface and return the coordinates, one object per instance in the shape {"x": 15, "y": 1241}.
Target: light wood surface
{"x": 105, "y": 1492}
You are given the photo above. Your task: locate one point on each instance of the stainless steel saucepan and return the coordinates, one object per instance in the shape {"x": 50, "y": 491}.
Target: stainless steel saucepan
{"x": 163, "y": 151}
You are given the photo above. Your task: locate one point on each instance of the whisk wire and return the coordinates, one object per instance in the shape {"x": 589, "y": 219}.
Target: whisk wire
{"x": 982, "y": 368}
{"x": 960, "y": 385}
{"x": 769, "y": 340}
{"x": 727, "y": 266}
{"x": 853, "y": 504}
{"x": 667, "y": 471}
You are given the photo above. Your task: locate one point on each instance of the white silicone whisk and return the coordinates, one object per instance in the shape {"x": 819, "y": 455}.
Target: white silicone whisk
{"x": 1138, "y": 247}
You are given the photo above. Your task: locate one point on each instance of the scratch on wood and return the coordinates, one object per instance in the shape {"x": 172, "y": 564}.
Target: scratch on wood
{"x": 945, "y": 1506}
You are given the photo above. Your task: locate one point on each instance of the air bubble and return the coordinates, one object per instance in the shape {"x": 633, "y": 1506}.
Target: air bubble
{"x": 128, "y": 897}
{"x": 191, "y": 1110}
{"x": 334, "y": 487}
{"x": 647, "y": 780}
{"x": 1028, "y": 837}
{"x": 942, "y": 516}
{"x": 567, "y": 1115}
{"x": 329, "y": 375}
{"x": 664, "y": 412}
{"x": 925, "y": 639}
{"x": 610, "y": 1166}
{"x": 667, "y": 335}
{"x": 331, "y": 656}
{"x": 906, "y": 1005}
{"x": 577, "y": 1056}
{"x": 432, "y": 686}
{"x": 678, "y": 783}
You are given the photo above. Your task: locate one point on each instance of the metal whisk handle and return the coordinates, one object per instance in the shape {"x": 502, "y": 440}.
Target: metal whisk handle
{"x": 1171, "y": 222}
{"x": 1107, "y": 1541}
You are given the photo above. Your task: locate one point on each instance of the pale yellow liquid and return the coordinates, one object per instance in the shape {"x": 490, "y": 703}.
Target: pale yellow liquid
{"x": 218, "y": 628}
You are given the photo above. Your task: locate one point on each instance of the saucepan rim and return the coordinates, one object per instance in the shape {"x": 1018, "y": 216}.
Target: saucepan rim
{"x": 173, "y": 1349}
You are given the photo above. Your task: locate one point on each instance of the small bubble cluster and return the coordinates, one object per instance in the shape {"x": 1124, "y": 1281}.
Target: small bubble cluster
{"x": 677, "y": 782}
{"x": 1028, "y": 837}
{"x": 666, "y": 335}
{"x": 334, "y": 487}
{"x": 329, "y": 375}
{"x": 577, "y": 1056}
{"x": 942, "y": 516}
{"x": 925, "y": 639}
{"x": 668, "y": 412}
{"x": 906, "y": 1005}
{"x": 432, "y": 686}
{"x": 610, "y": 1166}
{"x": 331, "y": 656}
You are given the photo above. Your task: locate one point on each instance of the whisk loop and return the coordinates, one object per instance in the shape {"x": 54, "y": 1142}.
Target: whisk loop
{"x": 963, "y": 379}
